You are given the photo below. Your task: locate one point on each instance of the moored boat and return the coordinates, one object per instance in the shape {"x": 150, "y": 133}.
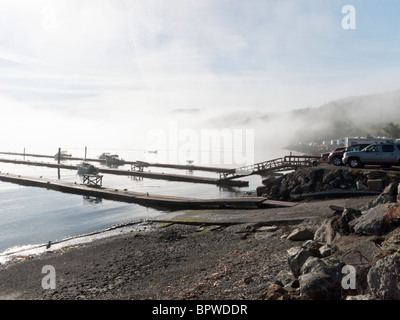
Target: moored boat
{"x": 63, "y": 155}
{"x": 114, "y": 160}
{"x": 87, "y": 168}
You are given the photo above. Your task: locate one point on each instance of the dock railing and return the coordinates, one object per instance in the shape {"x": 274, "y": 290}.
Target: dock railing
{"x": 279, "y": 164}
{"x": 93, "y": 180}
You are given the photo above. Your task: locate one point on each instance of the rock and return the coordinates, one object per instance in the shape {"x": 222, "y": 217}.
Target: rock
{"x": 371, "y": 221}
{"x": 261, "y": 190}
{"x": 389, "y": 195}
{"x": 318, "y": 286}
{"x": 297, "y": 256}
{"x": 360, "y": 186}
{"x": 301, "y": 234}
{"x": 274, "y": 190}
{"x": 271, "y": 181}
{"x": 384, "y": 278}
{"x": 312, "y": 264}
{"x": 350, "y": 214}
{"x": 321, "y": 279}
{"x": 329, "y": 178}
{"x": 375, "y": 184}
{"x": 332, "y": 229}
{"x": 312, "y": 244}
{"x": 292, "y": 285}
{"x": 268, "y": 228}
{"x": 391, "y": 243}
{"x": 372, "y": 175}
{"x": 362, "y": 252}
{"x": 398, "y": 192}
{"x": 336, "y": 208}
{"x": 348, "y": 176}
{"x": 316, "y": 174}
{"x": 274, "y": 292}
{"x": 361, "y": 297}
{"x": 360, "y": 255}
{"x": 245, "y": 228}
{"x": 327, "y": 250}
{"x": 325, "y": 233}
{"x": 283, "y": 278}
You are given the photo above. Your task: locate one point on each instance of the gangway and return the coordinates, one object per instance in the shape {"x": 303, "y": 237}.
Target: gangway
{"x": 285, "y": 163}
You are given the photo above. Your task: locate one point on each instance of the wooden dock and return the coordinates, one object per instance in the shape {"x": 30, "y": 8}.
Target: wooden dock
{"x": 145, "y": 199}
{"x": 142, "y": 163}
{"x": 143, "y": 174}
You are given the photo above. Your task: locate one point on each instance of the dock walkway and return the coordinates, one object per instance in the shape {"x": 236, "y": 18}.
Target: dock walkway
{"x": 150, "y": 175}
{"x": 145, "y": 199}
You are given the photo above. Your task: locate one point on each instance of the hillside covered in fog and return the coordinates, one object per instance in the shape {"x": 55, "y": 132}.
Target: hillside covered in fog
{"x": 351, "y": 116}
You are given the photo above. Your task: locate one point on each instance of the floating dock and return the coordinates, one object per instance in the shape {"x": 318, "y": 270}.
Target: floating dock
{"x": 150, "y": 175}
{"x": 145, "y": 164}
{"x": 145, "y": 199}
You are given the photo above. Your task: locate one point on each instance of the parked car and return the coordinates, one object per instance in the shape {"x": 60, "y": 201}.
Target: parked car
{"x": 336, "y": 156}
{"x": 326, "y": 154}
{"x": 384, "y": 154}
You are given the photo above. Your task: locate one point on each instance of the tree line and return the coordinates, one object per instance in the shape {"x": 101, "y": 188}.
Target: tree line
{"x": 392, "y": 130}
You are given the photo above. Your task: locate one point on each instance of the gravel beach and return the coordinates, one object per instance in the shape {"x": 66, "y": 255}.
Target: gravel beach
{"x": 176, "y": 262}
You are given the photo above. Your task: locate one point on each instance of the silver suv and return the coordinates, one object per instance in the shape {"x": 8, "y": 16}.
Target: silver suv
{"x": 384, "y": 154}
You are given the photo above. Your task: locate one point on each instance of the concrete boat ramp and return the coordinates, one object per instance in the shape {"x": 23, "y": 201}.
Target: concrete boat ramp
{"x": 271, "y": 216}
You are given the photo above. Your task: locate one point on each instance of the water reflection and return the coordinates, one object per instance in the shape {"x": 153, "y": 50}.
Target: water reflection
{"x": 91, "y": 200}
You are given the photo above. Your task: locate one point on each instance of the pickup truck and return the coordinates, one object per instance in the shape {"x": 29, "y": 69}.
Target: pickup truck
{"x": 384, "y": 154}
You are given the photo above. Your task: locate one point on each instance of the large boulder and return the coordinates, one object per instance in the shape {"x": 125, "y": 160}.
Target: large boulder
{"x": 326, "y": 232}
{"x": 384, "y": 278}
{"x": 389, "y": 195}
{"x": 373, "y": 221}
{"x": 359, "y": 252}
{"x": 297, "y": 256}
{"x": 333, "y": 228}
{"x": 321, "y": 279}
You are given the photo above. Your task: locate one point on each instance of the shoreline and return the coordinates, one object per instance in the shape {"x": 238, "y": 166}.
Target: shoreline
{"x": 13, "y": 254}
{"x": 174, "y": 262}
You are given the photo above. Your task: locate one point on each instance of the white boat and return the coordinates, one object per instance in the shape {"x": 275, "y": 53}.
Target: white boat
{"x": 87, "y": 168}
{"x": 152, "y": 151}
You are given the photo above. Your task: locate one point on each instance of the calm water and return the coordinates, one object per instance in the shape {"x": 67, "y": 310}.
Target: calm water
{"x": 30, "y": 215}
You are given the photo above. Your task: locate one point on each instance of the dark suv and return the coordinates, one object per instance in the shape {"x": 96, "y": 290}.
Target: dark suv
{"x": 336, "y": 156}
{"x": 384, "y": 154}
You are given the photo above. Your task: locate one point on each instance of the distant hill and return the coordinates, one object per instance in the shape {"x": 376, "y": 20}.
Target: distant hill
{"x": 351, "y": 116}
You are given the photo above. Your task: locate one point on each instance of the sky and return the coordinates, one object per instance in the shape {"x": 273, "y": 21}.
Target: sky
{"x": 77, "y": 72}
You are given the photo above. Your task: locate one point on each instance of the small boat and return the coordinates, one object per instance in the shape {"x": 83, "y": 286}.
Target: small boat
{"x": 114, "y": 160}
{"x": 63, "y": 155}
{"x": 104, "y": 155}
{"x": 152, "y": 151}
{"x": 87, "y": 168}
